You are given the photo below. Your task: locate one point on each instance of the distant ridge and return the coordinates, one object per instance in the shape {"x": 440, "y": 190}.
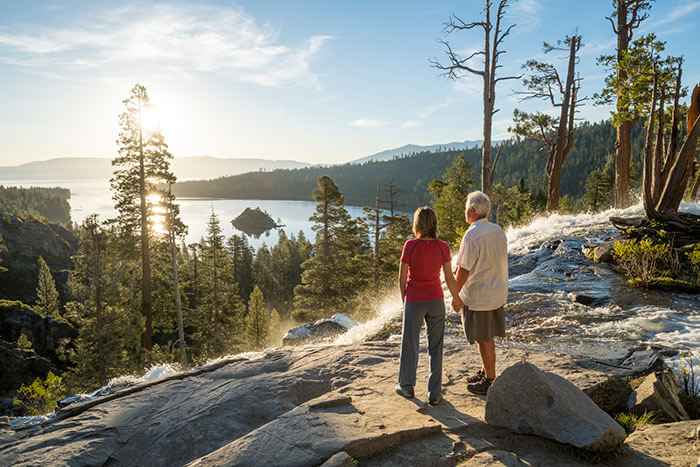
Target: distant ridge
{"x": 389, "y": 154}
{"x": 100, "y": 168}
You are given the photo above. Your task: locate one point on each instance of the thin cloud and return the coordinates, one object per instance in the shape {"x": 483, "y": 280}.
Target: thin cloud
{"x": 366, "y": 123}
{"x": 676, "y": 14}
{"x": 411, "y": 124}
{"x": 525, "y": 14}
{"x": 205, "y": 39}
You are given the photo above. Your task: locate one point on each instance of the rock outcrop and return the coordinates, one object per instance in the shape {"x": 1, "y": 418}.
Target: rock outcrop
{"x": 659, "y": 394}
{"x": 306, "y": 406}
{"x": 526, "y": 400}
{"x": 19, "y": 367}
{"x": 25, "y": 242}
{"x": 319, "y": 331}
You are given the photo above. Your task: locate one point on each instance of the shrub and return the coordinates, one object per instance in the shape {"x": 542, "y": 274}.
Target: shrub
{"x": 630, "y": 421}
{"x": 694, "y": 258}
{"x": 642, "y": 261}
{"x": 23, "y": 343}
{"x": 41, "y": 396}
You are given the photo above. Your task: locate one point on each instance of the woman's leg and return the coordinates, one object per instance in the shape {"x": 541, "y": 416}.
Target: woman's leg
{"x": 435, "y": 321}
{"x": 413, "y": 314}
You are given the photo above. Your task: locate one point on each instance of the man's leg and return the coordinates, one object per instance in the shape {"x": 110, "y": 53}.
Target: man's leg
{"x": 487, "y": 350}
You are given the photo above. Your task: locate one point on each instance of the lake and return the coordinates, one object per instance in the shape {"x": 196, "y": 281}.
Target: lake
{"x": 94, "y": 197}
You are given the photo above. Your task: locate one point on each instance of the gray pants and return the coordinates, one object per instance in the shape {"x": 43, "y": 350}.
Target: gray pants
{"x": 433, "y": 313}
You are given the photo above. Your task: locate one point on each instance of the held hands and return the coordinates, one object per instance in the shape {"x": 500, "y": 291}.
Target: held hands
{"x": 457, "y": 304}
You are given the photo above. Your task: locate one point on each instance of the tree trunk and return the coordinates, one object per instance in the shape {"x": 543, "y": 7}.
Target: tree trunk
{"x": 99, "y": 316}
{"x": 146, "y": 288}
{"x": 623, "y": 145}
{"x": 564, "y": 131}
{"x": 176, "y": 293}
{"x": 377, "y": 230}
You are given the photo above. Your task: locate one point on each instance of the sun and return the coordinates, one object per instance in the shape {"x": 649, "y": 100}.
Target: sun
{"x": 165, "y": 115}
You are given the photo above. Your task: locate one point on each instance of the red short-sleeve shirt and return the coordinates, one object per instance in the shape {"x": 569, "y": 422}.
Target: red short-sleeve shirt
{"x": 425, "y": 259}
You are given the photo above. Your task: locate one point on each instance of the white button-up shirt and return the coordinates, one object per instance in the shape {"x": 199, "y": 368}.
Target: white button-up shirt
{"x": 484, "y": 253}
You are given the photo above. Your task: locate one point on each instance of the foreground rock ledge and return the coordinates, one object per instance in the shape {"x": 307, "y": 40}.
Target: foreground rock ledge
{"x": 302, "y": 406}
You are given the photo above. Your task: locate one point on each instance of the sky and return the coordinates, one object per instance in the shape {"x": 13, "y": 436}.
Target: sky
{"x": 318, "y": 81}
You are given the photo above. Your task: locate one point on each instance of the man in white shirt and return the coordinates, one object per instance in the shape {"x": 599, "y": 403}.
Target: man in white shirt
{"x": 482, "y": 277}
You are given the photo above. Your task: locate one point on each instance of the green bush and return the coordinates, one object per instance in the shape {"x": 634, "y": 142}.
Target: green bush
{"x": 694, "y": 258}
{"x": 629, "y": 421}
{"x": 23, "y": 343}
{"x": 41, "y": 397}
{"x": 642, "y": 261}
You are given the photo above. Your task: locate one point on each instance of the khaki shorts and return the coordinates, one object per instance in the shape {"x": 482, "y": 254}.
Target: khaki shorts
{"x": 482, "y": 326}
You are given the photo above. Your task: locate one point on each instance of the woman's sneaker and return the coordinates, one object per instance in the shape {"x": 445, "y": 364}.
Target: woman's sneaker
{"x": 405, "y": 391}
{"x": 436, "y": 401}
{"x": 475, "y": 378}
{"x": 480, "y": 388}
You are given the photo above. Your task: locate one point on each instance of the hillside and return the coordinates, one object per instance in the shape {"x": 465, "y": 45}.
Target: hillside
{"x": 412, "y": 173}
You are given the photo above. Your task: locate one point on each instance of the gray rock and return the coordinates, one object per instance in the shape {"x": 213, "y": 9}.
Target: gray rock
{"x": 527, "y": 400}
{"x": 603, "y": 252}
{"x": 642, "y": 362}
{"x": 495, "y": 458}
{"x": 659, "y": 394}
{"x": 340, "y": 459}
{"x": 320, "y": 330}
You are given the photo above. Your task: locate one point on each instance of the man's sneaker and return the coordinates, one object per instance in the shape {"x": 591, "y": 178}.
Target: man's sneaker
{"x": 480, "y": 388}
{"x": 405, "y": 391}
{"x": 475, "y": 378}
{"x": 435, "y": 401}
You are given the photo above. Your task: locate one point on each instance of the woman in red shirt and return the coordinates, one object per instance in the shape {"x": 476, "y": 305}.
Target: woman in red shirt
{"x": 419, "y": 280}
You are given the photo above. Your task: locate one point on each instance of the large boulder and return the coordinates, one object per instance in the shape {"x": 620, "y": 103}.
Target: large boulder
{"x": 526, "y": 400}
{"x": 659, "y": 394}
{"x": 318, "y": 331}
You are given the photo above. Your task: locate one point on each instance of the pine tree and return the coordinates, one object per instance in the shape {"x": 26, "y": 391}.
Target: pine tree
{"x": 449, "y": 195}
{"x": 330, "y": 276}
{"x": 256, "y": 321}
{"x": 47, "y": 297}
{"x": 103, "y": 307}
{"x": 218, "y": 317}
{"x": 143, "y": 162}
{"x": 241, "y": 255}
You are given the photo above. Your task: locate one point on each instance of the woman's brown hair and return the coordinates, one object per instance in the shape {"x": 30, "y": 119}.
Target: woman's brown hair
{"x": 425, "y": 223}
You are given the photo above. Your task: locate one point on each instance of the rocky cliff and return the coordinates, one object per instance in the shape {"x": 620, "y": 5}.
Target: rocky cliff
{"x": 315, "y": 404}
{"x": 25, "y": 241}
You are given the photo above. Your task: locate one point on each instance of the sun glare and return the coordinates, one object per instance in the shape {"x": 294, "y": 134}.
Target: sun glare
{"x": 163, "y": 115}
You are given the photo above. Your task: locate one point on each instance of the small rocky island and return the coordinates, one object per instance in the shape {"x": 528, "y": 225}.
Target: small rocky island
{"x": 254, "y": 222}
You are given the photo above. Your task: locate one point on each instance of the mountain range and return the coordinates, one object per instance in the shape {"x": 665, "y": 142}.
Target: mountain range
{"x": 100, "y": 168}
{"x": 194, "y": 168}
{"x": 415, "y": 148}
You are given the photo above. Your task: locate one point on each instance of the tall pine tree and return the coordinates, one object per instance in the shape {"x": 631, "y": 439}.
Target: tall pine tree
{"x": 219, "y": 314}
{"x": 330, "y": 276}
{"x": 143, "y": 163}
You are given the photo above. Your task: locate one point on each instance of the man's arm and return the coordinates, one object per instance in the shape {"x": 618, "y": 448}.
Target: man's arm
{"x": 460, "y": 280}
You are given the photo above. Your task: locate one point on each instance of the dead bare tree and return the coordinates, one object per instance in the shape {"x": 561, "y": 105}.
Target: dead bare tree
{"x": 557, "y": 135}
{"x": 457, "y": 66}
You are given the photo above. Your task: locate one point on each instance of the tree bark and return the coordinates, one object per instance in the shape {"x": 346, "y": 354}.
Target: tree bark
{"x": 146, "y": 287}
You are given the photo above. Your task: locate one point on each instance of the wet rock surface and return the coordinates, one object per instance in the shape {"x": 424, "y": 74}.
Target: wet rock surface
{"x": 319, "y": 331}
{"x": 304, "y": 405}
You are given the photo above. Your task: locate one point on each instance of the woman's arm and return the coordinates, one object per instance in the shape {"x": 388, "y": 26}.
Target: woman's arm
{"x": 452, "y": 283}
{"x": 403, "y": 278}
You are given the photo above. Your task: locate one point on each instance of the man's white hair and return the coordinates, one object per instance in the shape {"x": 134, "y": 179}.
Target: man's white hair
{"x": 480, "y": 202}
